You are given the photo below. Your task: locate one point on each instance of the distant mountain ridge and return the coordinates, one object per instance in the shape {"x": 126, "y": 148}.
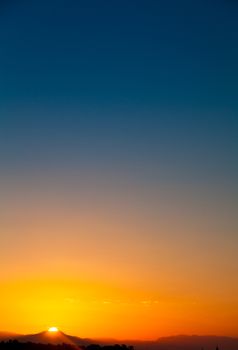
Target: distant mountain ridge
{"x": 189, "y": 342}
{"x": 208, "y": 341}
{"x": 179, "y": 342}
{"x": 52, "y": 338}
{"x": 7, "y": 335}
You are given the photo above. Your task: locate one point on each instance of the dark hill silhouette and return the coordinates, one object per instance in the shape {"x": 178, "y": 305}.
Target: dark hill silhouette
{"x": 180, "y": 342}
{"x": 185, "y": 342}
{"x": 199, "y": 342}
{"x": 53, "y": 338}
{"x": 16, "y": 345}
{"x": 8, "y": 335}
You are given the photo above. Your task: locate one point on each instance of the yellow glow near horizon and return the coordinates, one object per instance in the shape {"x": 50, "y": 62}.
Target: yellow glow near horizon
{"x": 120, "y": 271}
{"x": 53, "y": 329}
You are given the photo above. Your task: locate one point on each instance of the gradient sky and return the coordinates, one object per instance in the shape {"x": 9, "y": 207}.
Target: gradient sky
{"x": 118, "y": 156}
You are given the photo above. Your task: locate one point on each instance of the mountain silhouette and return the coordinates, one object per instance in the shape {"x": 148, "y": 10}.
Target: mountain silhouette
{"x": 180, "y": 342}
{"x": 195, "y": 342}
{"x": 53, "y": 338}
{"x": 187, "y": 342}
{"x": 8, "y": 335}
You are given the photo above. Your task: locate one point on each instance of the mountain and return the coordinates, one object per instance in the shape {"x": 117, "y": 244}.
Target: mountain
{"x": 52, "y": 338}
{"x": 180, "y": 342}
{"x": 185, "y": 342}
{"x": 199, "y": 342}
{"x": 7, "y": 335}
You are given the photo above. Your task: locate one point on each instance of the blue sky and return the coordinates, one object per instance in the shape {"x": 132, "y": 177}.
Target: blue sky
{"x": 149, "y": 83}
{"x": 137, "y": 53}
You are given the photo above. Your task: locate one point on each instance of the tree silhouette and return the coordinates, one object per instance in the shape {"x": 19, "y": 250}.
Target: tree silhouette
{"x": 16, "y": 345}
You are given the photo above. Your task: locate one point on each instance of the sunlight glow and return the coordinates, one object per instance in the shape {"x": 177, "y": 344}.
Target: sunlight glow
{"x": 53, "y": 329}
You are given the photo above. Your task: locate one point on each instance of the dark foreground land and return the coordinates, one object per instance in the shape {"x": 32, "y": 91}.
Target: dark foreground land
{"x": 16, "y": 345}
{"x": 42, "y": 341}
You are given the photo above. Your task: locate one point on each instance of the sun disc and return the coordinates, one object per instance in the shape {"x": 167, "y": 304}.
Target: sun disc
{"x": 53, "y": 329}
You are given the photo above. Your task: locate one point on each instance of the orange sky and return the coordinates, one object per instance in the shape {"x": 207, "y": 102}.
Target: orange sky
{"x": 106, "y": 264}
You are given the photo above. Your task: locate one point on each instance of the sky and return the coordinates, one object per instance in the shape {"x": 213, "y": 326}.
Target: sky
{"x": 118, "y": 167}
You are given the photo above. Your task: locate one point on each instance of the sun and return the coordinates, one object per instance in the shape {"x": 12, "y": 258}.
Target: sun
{"x": 53, "y": 330}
